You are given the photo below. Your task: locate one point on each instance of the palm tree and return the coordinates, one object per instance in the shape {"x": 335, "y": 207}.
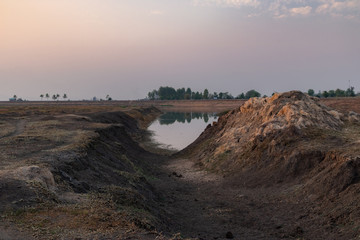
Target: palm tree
{"x": 108, "y": 97}
{"x": 15, "y": 97}
{"x": 47, "y": 96}
{"x": 54, "y": 97}
{"x": 41, "y": 96}
{"x": 65, "y": 96}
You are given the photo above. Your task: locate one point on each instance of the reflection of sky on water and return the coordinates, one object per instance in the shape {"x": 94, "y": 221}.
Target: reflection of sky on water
{"x": 178, "y": 130}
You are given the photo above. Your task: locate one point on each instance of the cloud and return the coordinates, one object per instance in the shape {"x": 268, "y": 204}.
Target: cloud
{"x": 322, "y": 9}
{"x": 340, "y": 6}
{"x": 301, "y": 11}
{"x": 349, "y": 9}
{"x": 227, "y": 3}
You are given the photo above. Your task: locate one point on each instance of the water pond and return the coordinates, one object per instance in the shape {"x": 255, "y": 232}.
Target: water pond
{"x": 176, "y": 130}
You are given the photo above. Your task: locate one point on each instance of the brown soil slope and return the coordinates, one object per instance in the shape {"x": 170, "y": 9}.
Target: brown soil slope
{"x": 289, "y": 139}
{"x": 71, "y": 175}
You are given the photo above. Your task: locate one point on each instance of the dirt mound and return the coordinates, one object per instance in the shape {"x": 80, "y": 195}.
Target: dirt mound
{"x": 275, "y": 139}
{"x": 83, "y": 172}
{"x": 294, "y": 146}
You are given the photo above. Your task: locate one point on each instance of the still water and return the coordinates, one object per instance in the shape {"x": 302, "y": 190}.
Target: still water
{"x": 176, "y": 130}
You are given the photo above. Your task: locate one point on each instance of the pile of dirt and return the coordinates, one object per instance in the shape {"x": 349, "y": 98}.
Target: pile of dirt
{"x": 301, "y": 150}
{"x": 93, "y": 172}
{"x": 286, "y": 137}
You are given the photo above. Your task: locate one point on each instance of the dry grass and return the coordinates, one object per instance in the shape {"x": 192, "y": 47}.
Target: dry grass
{"x": 6, "y": 128}
{"x": 94, "y": 216}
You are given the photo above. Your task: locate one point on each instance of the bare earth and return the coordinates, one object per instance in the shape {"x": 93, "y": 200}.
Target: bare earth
{"x": 167, "y": 198}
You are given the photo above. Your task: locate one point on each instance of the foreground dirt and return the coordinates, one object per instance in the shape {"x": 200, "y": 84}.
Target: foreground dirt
{"x": 208, "y": 206}
{"x": 76, "y": 172}
{"x": 79, "y": 172}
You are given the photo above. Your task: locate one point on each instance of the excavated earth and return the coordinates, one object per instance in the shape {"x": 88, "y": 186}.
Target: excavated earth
{"x": 77, "y": 173}
{"x": 300, "y": 160}
{"x": 284, "y": 167}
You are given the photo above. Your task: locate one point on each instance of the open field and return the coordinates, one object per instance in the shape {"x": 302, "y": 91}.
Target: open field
{"x": 341, "y": 104}
{"x": 91, "y": 106}
{"x": 86, "y": 170}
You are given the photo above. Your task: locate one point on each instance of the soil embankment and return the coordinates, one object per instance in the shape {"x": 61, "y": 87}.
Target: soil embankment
{"x": 297, "y": 151}
{"x": 84, "y": 176}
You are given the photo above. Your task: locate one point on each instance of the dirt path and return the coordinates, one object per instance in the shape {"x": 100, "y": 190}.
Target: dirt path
{"x": 19, "y": 128}
{"x": 205, "y": 206}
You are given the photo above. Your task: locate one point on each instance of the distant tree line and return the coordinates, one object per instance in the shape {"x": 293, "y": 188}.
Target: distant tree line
{"x": 333, "y": 93}
{"x": 57, "y": 97}
{"x": 53, "y": 97}
{"x": 169, "y": 93}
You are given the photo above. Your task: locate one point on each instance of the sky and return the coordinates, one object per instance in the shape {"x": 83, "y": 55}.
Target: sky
{"x": 126, "y": 48}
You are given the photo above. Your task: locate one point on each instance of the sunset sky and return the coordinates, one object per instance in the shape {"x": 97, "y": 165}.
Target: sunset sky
{"x": 126, "y": 48}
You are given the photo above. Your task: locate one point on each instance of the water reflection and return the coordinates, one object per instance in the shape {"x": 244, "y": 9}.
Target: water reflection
{"x": 182, "y": 117}
{"x": 176, "y": 130}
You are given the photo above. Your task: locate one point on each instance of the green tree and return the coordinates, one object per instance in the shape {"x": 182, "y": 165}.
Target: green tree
{"x": 240, "y": 96}
{"x": 227, "y": 95}
{"x": 188, "y": 93}
{"x": 311, "y": 92}
{"x": 197, "y": 96}
{"x": 251, "y": 94}
{"x": 167, "y": 93}
{"x": 221, "y": 95}
{"x": 180, "y": 93}
{"x": 54, "y": 97}
{"x": 41, "y": 96}
{"x": 350, "y": 92}
{"x": 47, "y": 96}
{"x": 332, "y": 93}
{"x": 325, "y": 94}
{"x": 65, "y": 96}
{"x": 206, "y": 94}
{"x": 153, "y": 95}
{"x": 15, "y": 97}
{"x": 339, "y": 93}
